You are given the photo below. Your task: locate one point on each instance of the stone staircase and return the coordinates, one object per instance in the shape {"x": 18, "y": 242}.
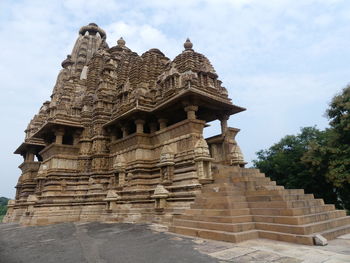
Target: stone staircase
{"x": 243, "y": 204}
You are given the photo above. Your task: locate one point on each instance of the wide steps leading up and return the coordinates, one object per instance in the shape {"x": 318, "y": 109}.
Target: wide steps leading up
{"x": 292, "y": 211}
{"x": 243, "y": 204}
{"x": 305, "y": 229}
{"x": 218, "y": 212}
{"x": 227, "y": 227}
{"x": 215, "y": 235}
{"x": 299, "y": 220}
{"x": 217, "y": 219}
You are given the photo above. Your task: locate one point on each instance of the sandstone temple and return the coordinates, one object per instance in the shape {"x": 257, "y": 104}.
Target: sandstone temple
{"x": 121, "y": 140}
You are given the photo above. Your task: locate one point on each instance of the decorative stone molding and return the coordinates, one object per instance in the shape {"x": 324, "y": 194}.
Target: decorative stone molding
{"x": 236, "y": 156}
{"x": 110, "y": 199}
{"x": 31, "y": 201}
{"x": 119, "y": 166}
{"x": 160, "y": 195}
{"x": 42, "y": 172}
{"x": 166, "y": 165}
{"x": 203, "y": 161}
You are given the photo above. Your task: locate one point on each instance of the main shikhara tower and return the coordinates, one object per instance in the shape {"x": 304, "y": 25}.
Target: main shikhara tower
{"x": 122, "y": 140}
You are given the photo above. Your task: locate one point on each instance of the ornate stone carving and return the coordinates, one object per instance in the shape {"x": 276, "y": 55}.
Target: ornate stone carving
{"x": 160, "y": 195}
{"x": 203, "y": 161}
{"x": 166, "y": 164}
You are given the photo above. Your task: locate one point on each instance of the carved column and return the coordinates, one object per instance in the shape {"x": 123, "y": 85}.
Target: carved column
{"x": 139, "y": 125}
{"x": 191, "y": 112}
{"x": 59, "y": 135}
{"x": 223, "y": 122}
{"x": 29, "y": 156}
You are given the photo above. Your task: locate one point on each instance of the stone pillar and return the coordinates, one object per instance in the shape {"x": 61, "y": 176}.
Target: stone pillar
{"x": 153, "y": 127}
{"x": 162, "y": 123}
{"x": 191, "y": 112}
{"x": 59, "y": 136}
{"x": 125, "y": 131}
{"x": 139, "y": 125}
{"x": 29, "y": 156}
{"x": 223, "y": 122}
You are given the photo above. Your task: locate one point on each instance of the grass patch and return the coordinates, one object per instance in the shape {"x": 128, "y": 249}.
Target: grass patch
{"x": 1, "y": 217}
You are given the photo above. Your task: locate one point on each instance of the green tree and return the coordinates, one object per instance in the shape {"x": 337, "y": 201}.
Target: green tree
{"x": 283, "y": 163}
{"x": 317, "y": 161}
{"x": 332, "y": 156}
{"x": 3, "y": 207}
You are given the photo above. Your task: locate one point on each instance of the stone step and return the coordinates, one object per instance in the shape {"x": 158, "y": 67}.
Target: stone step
{"x": 220, "y": 198}
{"x": 218, "y": 212}
{"x": 304, "y": 229}
{"x": 258, "y": 180}
{"x": 219, "y": 187}
{"x": 217, "y": 219}
{"x": 227, "y": 204}
{"x": 250, "y": 171}
{"x": 227, "y": 227}
{"x": 299, "y": 220}
{"x": 215, "y": 235}
{"x": 286, "y": 197}
{"x": 335, "y": 232}
{"x": 285, "y": 237}
{"x": 274, "y": 192}
{"x": 240, "y": 178}
{"x": 286, "y": 204}
{"x": 221, "y": 193}
{"x": 292, "y": 211}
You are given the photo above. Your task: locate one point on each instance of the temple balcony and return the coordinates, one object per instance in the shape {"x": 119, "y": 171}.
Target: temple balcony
{"x": 56, "y": 149}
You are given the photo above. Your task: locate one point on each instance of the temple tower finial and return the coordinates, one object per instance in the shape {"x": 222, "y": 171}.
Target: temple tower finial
{"x": 121, "y": 42}
{"x": 188, "y": 44}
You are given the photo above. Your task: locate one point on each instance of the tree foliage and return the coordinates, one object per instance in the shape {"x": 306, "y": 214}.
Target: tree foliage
{"x": 3, "y": 206}
{"x": 317, "y": 161}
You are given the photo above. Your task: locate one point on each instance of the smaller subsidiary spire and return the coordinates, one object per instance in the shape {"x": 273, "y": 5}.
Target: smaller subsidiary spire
{"x": 67, "y": 62}
{"x": 121, "y": 42}
{"x": 188, "y": 44}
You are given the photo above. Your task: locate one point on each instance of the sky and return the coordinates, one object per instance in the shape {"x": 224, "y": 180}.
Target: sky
{"x": 283, "y": 60}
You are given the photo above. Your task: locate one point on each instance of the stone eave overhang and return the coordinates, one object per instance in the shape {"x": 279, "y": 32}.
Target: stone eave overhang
{"x": 49, "y": 126}
{"x": 224, "y": 104}
{"x": 29, "y": 145}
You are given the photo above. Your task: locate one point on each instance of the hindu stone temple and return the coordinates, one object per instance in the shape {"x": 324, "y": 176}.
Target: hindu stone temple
{"x": 121, "y": 140}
